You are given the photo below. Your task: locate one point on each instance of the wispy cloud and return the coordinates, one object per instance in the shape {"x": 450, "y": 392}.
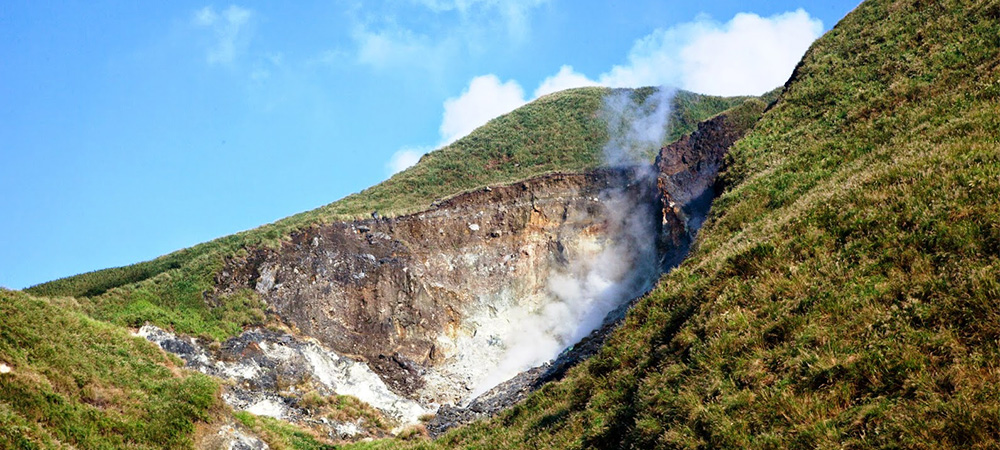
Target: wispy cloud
{"x": 229, "y": 29}
{"x": 393, "y": 39}
{"x": 405, "y": 157}
{"x": 329, "y": 58}
{"x": 514, "y": 15}
{"x": 394, "y": 46}
{"x": 748, "y": 55}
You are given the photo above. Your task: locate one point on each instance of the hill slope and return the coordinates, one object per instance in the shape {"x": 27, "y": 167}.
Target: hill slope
{"x": 74, "y": 382}
{"x": 845, "y": 291}
{"x": 558, "y": 132}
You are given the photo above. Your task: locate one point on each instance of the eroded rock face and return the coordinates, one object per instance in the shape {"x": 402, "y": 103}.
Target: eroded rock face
{"x": 687, "y": 171}
{"x": 686, "y": 175}
{"x": 436, "y": 302}
{"x": 268, "y": 373}
{"x": 466, "y": 308}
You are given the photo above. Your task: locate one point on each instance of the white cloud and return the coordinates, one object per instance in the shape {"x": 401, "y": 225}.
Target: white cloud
{"x": 229, "y": 28}
{"x": 485, "y": 98}
{"x": 404, "y": 158}
{"x": 652, "y": 61}
{"x": 747, "y": 55}
{"x": 566, "y": 78}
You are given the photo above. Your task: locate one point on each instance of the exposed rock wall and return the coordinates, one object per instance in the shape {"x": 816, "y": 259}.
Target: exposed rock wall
{"x": 686, "y": 178}
{"x": 269, "y": 373}
{"x": 687, "y": 170}
{"x": 436, "y": 302}
{"x": 426, "y": 299}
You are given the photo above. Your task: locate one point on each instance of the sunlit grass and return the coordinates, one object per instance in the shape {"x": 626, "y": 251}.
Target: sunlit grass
{"x": 78, "y": 383}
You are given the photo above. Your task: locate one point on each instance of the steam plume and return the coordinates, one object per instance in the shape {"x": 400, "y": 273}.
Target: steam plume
{"x": 635, "y": 128}
{"x": 600, "y": 278}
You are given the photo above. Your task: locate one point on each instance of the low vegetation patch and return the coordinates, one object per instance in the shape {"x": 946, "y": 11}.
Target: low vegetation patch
{"x": 76, "y": 382}
{"x": 280, "y": 435}
{"x": 347, "y": 408}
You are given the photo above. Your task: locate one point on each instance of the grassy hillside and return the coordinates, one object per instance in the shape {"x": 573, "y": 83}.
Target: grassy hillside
{"x": 558, "y": 132}
{"x": 846, "y": 291}
{"x": 78, "y": 383}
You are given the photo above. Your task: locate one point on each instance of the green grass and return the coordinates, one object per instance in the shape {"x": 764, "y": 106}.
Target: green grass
{"x": 558, "y": 132}
{"x": 79, "y": 383}
{"x": 280, "y": 435}
{"x": 845, "y": 292}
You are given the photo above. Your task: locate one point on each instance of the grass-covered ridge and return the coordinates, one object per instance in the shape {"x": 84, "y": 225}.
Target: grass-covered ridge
{"x": 846, "y": 291}
{"x": 75, "y": 382}
{"x": 558, "y": 132}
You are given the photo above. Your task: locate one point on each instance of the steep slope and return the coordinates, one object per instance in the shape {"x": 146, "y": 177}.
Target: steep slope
{"x": 843, "y": 292}
{"x": 559, "y": 132}
{"x": 69, "y": 381}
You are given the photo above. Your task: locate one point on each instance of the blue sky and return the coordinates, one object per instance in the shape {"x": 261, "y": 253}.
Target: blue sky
{"x": 128, "y": 131}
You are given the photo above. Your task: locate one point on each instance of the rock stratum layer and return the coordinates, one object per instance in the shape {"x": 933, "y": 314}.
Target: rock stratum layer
{"x": 429, "y": 300}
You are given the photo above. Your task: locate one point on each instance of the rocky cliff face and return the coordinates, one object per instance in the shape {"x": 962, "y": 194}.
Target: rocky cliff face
{"x": 687, "y": 171}
{"x": 475, "y": 303}
{"x": 434, "y": 302}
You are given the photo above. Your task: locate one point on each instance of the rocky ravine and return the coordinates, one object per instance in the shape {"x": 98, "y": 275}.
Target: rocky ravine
{"x": 447, "y": 305}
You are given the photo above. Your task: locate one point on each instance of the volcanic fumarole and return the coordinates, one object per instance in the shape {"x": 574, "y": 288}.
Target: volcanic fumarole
{"x": 441, "y": 306}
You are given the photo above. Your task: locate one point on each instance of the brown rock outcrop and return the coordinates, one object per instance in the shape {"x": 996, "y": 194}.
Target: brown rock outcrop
{"x": 431, "y": 301}
{"x": 409, "y": 294}
{"x": 688, "y": 170}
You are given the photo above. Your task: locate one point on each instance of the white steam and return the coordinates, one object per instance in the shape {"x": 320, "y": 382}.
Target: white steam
{"x": 605, "y": 273}
{"x": 635, "y": 128}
